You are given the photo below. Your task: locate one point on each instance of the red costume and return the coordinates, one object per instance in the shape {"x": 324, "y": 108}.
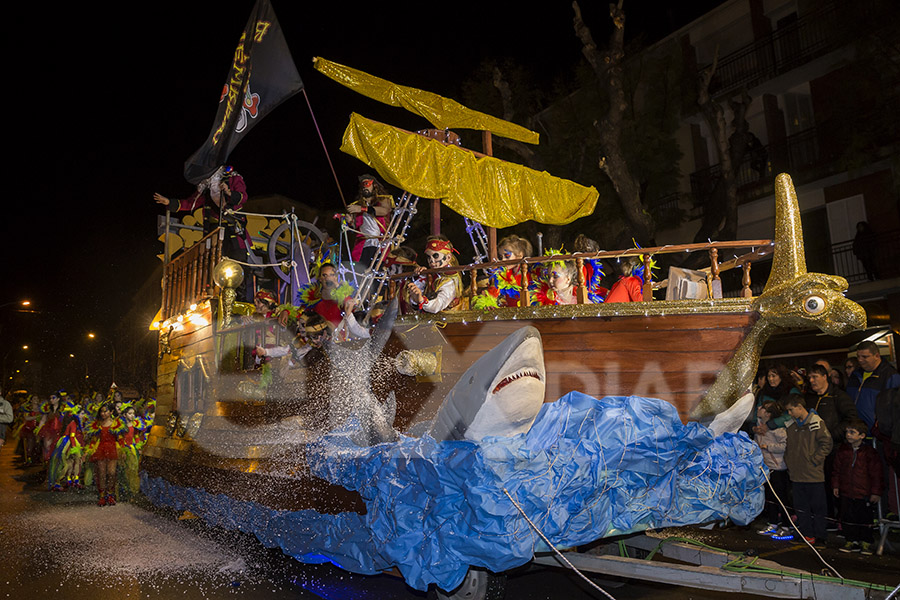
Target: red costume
{"x": 627, "y": 289}
{"x": 105, "y": 439}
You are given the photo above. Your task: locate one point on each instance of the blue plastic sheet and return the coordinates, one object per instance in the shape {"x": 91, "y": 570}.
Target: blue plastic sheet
{"x": 587, "y": 469}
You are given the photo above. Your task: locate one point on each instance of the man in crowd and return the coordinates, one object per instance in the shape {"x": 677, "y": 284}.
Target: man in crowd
{"x": 873, "y": 376}
{"x": 837, "y": 410}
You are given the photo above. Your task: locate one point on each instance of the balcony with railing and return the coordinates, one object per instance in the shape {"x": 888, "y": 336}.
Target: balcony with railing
{"x": 800, "y": 154}
{"x": 815, "y": 34}
{"x": 883, "y": 259}
{"x": 187, "y": 278}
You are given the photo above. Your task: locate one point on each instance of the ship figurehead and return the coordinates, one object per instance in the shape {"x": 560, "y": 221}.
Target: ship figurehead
{"x": 792, "y": 298}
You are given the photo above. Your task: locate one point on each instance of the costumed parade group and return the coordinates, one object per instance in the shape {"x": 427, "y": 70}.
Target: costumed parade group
{"x": 328, "y": 306}
{"x": 86, "y": 439}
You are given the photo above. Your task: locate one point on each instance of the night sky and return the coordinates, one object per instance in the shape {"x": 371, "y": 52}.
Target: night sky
{"x": 107, "y": 100}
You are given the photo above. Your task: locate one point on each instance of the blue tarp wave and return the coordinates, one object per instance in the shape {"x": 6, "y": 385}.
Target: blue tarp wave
{"x": 587, "y": 469}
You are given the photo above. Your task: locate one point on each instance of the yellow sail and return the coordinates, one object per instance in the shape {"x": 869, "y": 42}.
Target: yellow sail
{"x": 488, "y": 190}
{"x": 442, "y": 112}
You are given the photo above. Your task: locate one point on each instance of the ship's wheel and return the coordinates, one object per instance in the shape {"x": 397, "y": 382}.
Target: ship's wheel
{"x": 281, "y": 248}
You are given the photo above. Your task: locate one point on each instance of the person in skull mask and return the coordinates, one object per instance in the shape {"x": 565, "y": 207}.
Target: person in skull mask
{"x": 439, "y": 291}
{"x": 219, "y": 196}
{"x": 369, "y": 212}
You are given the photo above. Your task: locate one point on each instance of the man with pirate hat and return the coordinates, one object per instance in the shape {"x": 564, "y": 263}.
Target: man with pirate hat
{"x": 219, "y": 196}
{"x": 370, "y": 213}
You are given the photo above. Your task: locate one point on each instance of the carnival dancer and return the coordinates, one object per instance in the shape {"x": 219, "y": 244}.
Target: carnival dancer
{"x": 369, "y": 212}
{"x": 127, "y": 473}
{"x": 147, "y": 418}
{"x": 102, "y": 438}
{"x": 50, "y": 427}
{"x": 438, "y": 292}
{"x": 27, "y": 421}
{"x": 64, "y": 471}
{"x": 223, "y": 193}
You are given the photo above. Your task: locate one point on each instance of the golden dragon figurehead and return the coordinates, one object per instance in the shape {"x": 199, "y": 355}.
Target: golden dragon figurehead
{"x": 792, "y": 298}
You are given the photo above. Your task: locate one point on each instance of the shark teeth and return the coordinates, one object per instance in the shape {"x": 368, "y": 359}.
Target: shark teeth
{"x": 517, "y": 375}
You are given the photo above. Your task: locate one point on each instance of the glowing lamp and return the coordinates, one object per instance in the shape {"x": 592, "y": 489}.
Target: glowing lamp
{"x": 228, "y": 273}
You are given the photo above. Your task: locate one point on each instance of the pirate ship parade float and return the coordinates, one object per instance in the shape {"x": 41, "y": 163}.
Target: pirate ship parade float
{"x": 473, "y": 438}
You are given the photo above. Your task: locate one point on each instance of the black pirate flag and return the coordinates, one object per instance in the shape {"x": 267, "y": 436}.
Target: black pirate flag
{"x": 262, "y": 76}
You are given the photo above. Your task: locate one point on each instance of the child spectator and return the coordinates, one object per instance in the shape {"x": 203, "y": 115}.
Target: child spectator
{"x": 773, "y": 443}
{"x": 808, "y": 444}
{"x": 857, "y": 480}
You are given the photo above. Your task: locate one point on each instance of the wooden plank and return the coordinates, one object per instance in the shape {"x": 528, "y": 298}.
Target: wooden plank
{"x": 605, "y": 324}
{"x": 702, "y": 341}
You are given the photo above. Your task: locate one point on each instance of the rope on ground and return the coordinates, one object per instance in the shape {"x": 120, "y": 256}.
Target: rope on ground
{"x": 561, "y": 555}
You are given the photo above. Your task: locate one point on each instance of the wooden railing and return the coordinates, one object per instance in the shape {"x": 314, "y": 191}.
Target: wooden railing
{"x": 760, "y": 249}
{"x": 187, "y": 278}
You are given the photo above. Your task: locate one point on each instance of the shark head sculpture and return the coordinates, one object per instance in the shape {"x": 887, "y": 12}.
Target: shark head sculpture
{"x": 499, "y": 395}
{"x": 792, "y": 298}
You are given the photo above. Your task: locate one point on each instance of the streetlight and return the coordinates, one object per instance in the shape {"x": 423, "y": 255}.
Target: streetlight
{"x": 22, "y": 303}
{"x": 6, "y": 356}
{"x": 94, "y": 336}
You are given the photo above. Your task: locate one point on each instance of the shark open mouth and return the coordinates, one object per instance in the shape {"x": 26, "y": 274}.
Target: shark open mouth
{"x": 515, "y": 376}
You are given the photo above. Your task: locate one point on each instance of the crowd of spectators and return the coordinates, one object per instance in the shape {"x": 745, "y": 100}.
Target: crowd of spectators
{"x": 830, "y": 438}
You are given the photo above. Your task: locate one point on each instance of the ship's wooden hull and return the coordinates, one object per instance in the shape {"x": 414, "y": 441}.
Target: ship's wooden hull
{"x": 675, "y": 357}
{"x": 253, "y": 447}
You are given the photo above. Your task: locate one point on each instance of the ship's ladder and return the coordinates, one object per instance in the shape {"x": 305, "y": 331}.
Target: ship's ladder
{"x": 479, "y": 240}
{"x": 374, "y": 278}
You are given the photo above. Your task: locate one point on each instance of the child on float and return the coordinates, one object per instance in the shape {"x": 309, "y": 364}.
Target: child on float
{"x": 102, "y": 438}
{"x": 773, "y": 443}
{"x": 592, "y": 269}
{"x": 439, "y": 291}
{"x": 554, "y": 284}
{"x": 630, "y": 286}
{"x": 857, "y": 479}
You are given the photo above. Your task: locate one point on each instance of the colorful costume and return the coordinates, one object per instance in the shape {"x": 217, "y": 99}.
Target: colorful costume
{"x": 129, "y": 457}
{"x": 61, "y": 471}
{"x": 103, "y": 442}
{"x": 505, "y": 287}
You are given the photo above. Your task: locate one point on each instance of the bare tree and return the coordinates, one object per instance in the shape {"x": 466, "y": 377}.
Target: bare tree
{"x": 720, "y": 213}
{"x": 608, "y": 67}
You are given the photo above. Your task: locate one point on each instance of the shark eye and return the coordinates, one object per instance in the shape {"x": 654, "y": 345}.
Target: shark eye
{"x": 814, "y": 305}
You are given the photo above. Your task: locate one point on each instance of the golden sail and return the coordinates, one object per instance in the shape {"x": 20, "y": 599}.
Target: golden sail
{"x": 488, "y": 190}
{"x": 441, "y": 112}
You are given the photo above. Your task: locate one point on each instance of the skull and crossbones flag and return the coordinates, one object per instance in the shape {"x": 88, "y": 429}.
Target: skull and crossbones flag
{"x": 262, "y": 76}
